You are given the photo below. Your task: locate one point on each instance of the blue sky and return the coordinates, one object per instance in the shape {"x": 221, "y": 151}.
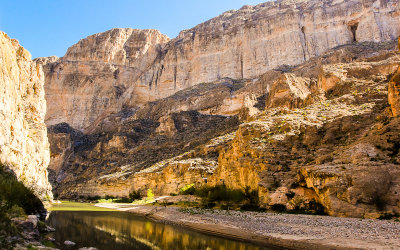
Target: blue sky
{"x": 49, "y": 27}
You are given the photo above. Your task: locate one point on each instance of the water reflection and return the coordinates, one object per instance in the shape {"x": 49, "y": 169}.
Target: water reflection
{"x": 119, "y": 230}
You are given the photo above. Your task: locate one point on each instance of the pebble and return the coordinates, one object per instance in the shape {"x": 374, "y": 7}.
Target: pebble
{"x": 69, "y": 243}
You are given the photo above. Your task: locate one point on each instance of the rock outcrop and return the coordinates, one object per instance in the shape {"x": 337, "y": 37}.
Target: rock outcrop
{"x": 24, "y": 146}
{"x": 335, "y": 149}
{"x": 105, "y": 72}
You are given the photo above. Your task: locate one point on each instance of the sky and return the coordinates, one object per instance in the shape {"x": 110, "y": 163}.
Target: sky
{"x": 49, "y": 27}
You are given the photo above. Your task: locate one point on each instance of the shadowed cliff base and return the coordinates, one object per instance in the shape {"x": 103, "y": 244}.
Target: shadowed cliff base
{"x": 20, "y": 209}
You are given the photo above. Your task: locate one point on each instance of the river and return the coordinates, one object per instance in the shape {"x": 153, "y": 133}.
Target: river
{"x": 123, "y": 230}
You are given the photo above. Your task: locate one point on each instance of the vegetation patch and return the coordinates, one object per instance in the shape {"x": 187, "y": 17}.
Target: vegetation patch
{"x": 16, "y": 200}
{"x": 220, "y": 196}
{"x": 76, "y": 206}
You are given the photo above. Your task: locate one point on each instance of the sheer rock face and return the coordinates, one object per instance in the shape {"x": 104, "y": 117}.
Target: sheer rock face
{"x": 97, "y": 75}
{"x": 23, "y": 135}
{"x": 125, "y": 67}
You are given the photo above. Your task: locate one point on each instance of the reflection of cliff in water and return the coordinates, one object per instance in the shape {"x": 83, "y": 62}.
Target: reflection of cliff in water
{"x": 118, "y": 230}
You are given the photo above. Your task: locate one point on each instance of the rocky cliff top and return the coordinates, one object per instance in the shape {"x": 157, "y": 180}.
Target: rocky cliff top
{"x": 348, "y": 11}
{"x": 118, "y": 46}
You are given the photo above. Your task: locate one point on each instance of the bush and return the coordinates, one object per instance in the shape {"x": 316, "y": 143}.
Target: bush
{"x": 135, "y": 195}
{"x": 388, "y": 216}
{"x": 15, "y": 201}
{"x": 123, "y": 200}
{"x": 93, "y": 198}
{"x": 14, "y": 193}
{"x": 150, "y": 195}
{"x": 280, "y": 208}
{"x": 188, "y": 190}
{"x": 245, "y": 199}
{"x": 221, "y": 193}
{"x": 109, "y": 197}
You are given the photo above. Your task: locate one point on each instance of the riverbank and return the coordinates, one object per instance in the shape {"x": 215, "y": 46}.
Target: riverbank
{"x": 283, "y": 230}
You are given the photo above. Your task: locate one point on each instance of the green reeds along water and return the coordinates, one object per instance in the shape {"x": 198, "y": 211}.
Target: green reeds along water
{"x": 123, "y": 230}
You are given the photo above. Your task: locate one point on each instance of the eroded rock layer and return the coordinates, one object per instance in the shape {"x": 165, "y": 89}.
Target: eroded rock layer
{"x": 105, "y": 72}
{"x": 24, "y": 146}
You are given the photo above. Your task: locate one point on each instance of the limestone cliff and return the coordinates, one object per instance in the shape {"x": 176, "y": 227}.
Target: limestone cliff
{"x": 123, "y": 67}
{"x": 24, "y": 146}
{"x": 289, "y": 98}
{"x": 96, "y": 75}
{"x": 320, "y": 137}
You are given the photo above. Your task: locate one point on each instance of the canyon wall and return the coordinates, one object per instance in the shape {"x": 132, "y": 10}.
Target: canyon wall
{"x": 327, "y": 141}
{"x": 121, "y": 68}
{"x": 288, "y": 98}
{"x": 24, "y": 147}
{"x": 320, "y": 138}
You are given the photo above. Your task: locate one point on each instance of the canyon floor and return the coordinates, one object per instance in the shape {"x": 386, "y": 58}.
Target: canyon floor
{"x": 289, "y": 231}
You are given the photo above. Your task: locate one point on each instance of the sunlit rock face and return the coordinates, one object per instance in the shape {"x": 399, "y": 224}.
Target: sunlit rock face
{"x": 24, "y": 147}
{"x": 97, "y": 75}
{"x": 124, "y": 67}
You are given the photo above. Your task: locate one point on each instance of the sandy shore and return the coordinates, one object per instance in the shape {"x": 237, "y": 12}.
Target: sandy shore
{"x": 282, "y": 230}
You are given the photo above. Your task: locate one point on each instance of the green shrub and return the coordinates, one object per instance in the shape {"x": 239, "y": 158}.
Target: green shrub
{"x": 30, "y": 247}
{"x": 150, "y": 195}
{"x": 109, "y": 197}
{"x": 93, "y": 198}
{"x": 16, "y": 200}
{"x": 48, "y": 243}
{"x": 123, "y": 200}
{"x": 388, "y": 216}
{"x": 14, "y": 193}
{"x": 221, "y": 193}
{"x": 226, "y": 198}
{"x": 188, "y": 190}
{"x": 16, "y": 211}
{"x": 135, "y": 195}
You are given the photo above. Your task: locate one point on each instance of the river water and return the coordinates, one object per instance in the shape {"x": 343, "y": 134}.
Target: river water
{"x": 122, "y": 230}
